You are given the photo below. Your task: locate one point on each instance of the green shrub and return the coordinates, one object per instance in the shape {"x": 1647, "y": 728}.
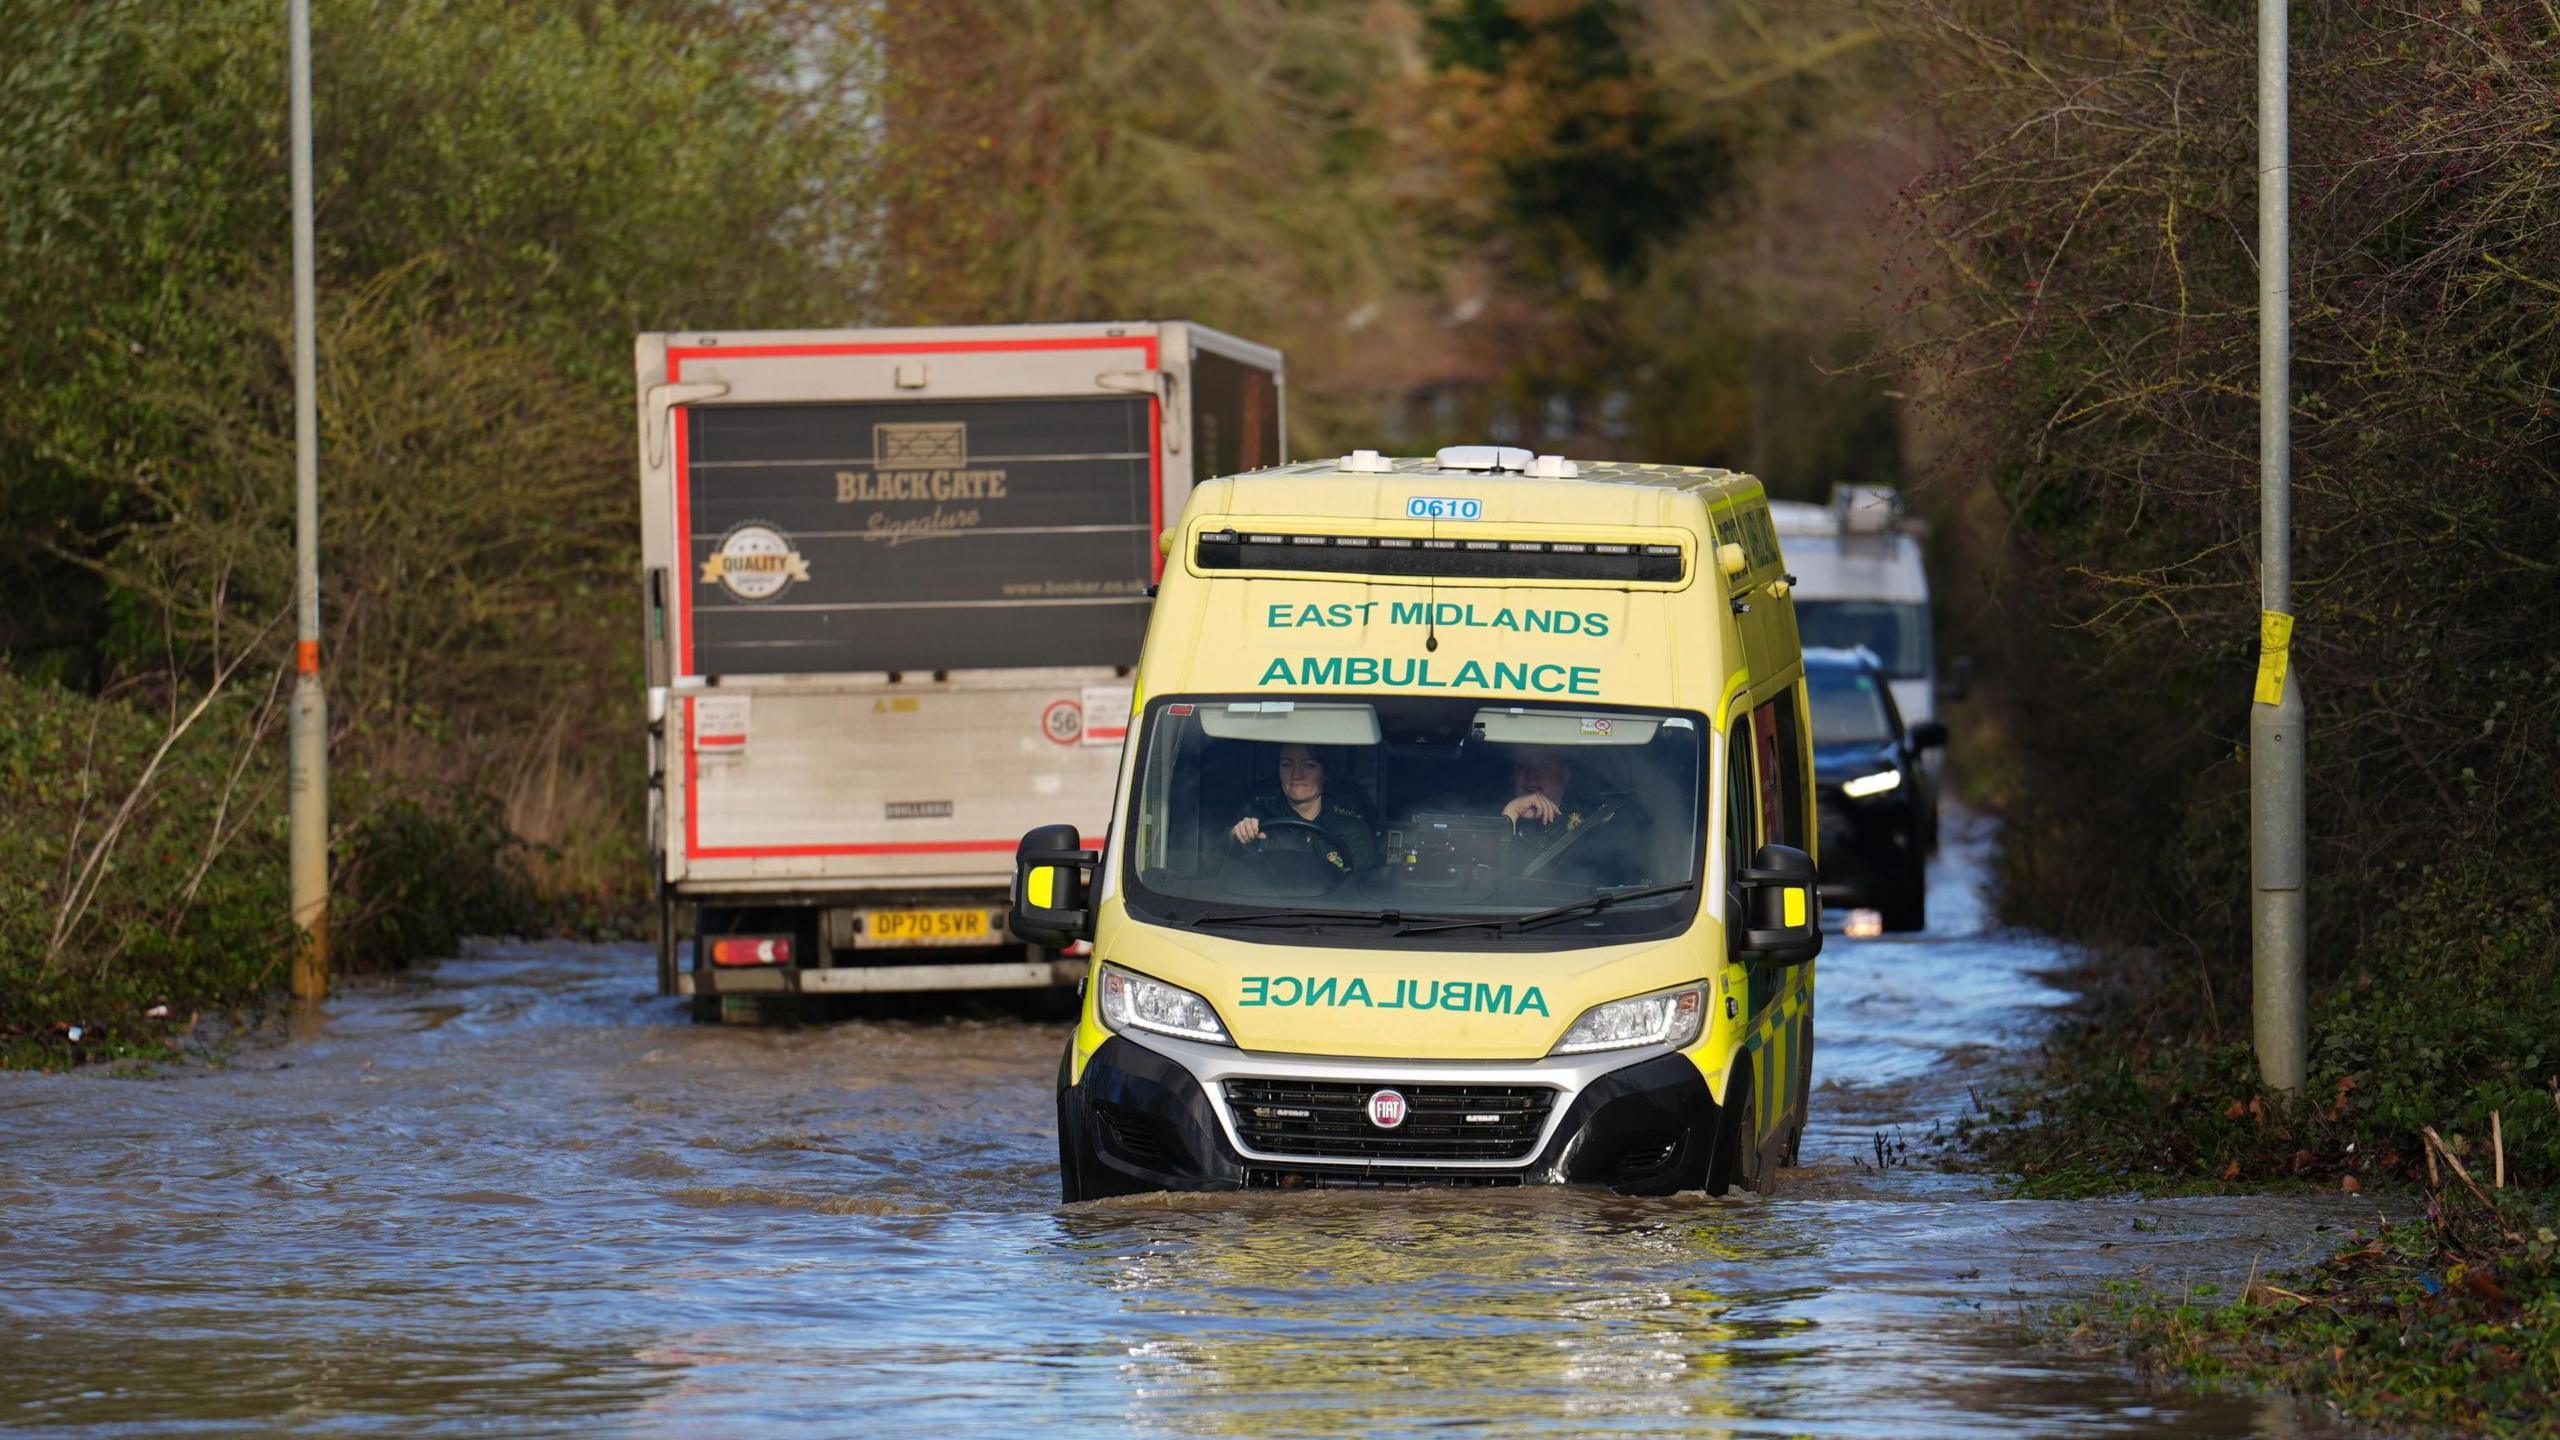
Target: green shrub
{"x": 422, "y": 874}
{"x": 184, "y": 909}
{"x": 2450, "y": 1019}
{"x": 185, "y": 906}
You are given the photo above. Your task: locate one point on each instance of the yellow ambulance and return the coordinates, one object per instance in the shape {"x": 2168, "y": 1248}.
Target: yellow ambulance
{"x": 1462, "y": 837}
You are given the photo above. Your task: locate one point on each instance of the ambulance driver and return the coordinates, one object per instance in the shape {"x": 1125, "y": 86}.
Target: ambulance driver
{"x": 1300, "y": 800}
{"x": 1567, "y": 830}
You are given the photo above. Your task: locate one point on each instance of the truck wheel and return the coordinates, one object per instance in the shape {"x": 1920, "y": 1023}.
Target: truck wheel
{"x": 667, "y": 943}
{"x": 1906, "y": 902}
{"x": 708, "y": 922}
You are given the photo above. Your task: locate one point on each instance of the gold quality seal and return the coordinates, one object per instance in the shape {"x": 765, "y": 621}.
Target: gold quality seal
{"x": 754, "y": 561}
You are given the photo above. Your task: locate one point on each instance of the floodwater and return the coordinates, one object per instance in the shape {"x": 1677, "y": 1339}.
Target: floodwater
{"x": 516, "y": 1193}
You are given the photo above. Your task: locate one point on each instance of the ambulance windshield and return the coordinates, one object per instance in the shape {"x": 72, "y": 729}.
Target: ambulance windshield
{"x": 1370, "y": 809}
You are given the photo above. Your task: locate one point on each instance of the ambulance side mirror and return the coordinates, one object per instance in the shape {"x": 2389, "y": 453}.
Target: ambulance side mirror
{"x": 1050, "y": 874}
{"x": 1781, "y": 907}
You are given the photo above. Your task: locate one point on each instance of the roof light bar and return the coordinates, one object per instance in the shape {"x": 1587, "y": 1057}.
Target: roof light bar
{"x": 1228, "y": 549}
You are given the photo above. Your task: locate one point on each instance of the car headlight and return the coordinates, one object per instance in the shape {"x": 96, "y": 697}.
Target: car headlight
{"x": 1134, "y": 1002}
{"x": 1666, "y": 1017}
{"x": 1876, "y": 784}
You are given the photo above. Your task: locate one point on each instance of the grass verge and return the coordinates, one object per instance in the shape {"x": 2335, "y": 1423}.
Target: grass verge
{"x": 2435, "y": 1071}
{"x": 2450, "y": 1323}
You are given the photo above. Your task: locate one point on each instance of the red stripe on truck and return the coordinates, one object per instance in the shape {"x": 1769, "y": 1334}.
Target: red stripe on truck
{"x": 931, "y": 847}
{"x": 676, "y": 357}
{"x": 1155, "y": 479}
{"x": 683, "y": 422}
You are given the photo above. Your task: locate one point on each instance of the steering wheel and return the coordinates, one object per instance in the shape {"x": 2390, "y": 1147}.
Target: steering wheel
{"x": 1312, "y": 866}
{"x": 1317, "y": 841}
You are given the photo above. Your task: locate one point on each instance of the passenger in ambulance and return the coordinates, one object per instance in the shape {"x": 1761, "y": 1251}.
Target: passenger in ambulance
{"x": 1570, "y": 831}
{"x": 1301, "y": 803}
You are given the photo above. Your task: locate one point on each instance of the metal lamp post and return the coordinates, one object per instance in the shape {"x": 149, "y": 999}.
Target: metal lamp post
{"x": 2277, "y": 914}
{"x": 309, "y": 802}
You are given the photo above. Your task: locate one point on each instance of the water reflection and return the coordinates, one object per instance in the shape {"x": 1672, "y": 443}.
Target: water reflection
{"x": 246, "y": 1375}
{"x": 1538, "y": 1312}
{"x": 517, "y": 1193}
{"x": 1319, "y": 1313}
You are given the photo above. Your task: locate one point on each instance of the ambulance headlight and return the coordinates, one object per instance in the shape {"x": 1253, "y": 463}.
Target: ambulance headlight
{"x": 1876, "y": 784}
{"x": 1134, "y": 1002}
{"x": 1666, "y": 1017}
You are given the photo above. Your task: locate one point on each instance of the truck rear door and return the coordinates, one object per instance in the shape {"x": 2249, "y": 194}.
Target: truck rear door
{"x": 902, "y": 568}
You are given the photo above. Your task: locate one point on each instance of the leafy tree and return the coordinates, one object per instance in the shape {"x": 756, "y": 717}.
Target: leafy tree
{"x": 505, "y": 194}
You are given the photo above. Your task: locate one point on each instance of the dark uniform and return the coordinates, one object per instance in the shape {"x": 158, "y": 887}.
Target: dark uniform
{"x": 1355, "y": 845}
{"x": 1611, "y": 855}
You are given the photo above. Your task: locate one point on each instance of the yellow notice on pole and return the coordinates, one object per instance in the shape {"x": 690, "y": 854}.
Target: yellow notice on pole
{"x": 2275, "y": 648}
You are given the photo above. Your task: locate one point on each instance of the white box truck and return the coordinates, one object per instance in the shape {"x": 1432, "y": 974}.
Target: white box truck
{"x": 894, "y": 585}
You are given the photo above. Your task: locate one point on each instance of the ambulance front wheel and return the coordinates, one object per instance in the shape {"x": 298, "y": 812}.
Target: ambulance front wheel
{"x": 1073, "y": 1161}
{"x": 1804, "y": 1096}
{"x": 1727, "y": 1164}
{"x": 1741, "y": 1159}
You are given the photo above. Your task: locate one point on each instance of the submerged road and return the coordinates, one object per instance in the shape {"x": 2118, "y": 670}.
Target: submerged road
{"x": 515, "y": 1193}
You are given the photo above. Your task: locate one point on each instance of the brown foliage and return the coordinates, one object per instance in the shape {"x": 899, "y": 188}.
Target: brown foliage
{"x": 2082, "y": 268}
{"x": 1158, "y": 158}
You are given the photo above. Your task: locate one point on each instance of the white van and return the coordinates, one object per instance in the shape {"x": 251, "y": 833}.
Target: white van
{"x": 1860, "y": 583}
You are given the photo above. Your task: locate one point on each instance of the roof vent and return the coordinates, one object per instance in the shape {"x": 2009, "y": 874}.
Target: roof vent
{"x": 1484, "y": 457}
{"x": 1553, "y": 467}
{"x": 1366, "y": 462}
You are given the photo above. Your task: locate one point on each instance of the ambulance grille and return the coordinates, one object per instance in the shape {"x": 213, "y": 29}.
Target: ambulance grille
{"x": 1369, "y": 1177}
{"x": 1330, "y": 1118}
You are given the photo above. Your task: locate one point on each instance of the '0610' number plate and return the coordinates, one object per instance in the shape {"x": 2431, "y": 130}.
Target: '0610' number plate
{"x": 926, "y": 927}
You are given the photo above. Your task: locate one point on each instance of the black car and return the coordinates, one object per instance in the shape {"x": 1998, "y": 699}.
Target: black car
{"x": 1876, "y": 803}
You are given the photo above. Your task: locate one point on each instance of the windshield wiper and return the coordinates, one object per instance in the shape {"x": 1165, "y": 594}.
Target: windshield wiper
{"x": 1591, "y": 904}
{"x": 1315, "y": 917}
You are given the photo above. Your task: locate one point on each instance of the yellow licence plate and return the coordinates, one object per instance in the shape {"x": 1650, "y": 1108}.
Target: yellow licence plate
{"x": 927, "y": 927}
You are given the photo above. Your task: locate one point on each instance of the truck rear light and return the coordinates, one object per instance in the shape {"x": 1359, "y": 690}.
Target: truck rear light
{"x": 751, "y": 950}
